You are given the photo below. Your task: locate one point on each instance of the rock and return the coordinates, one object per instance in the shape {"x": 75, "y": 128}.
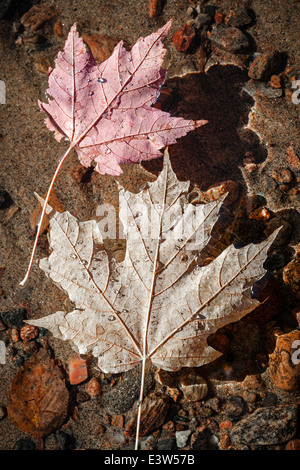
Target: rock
{"x": 266, "y": 426}
{"x": 3, "y": 412}
{"x": 217, "y": 190}
{"x": 201, "y": 20}
{"x": 101, "y": 45}
{"x": 199, "y": 440}
{"x": 230, "y": 39}
{"x": 265, "y": 65}
{"x": 182, "y": 438}
{"x": 58, "y": 29}
{"x": 77, "y": 370}
{"x": 185, "y": 39}
{"x": 94, "y": 388}
{"x": 269, "y": 400}
{"x": 262, "y": 89}
{"x": 238, "y": 17}
{"x": 166, "y": 444}
{"x": 154, "y": 410}
{"x": 29, "y": 332}
{"x": 219, "y": 17}
{"x": 37, "y": 16}
{"x": 291, "y": 276}
{"x": 193, "y": 387}
{"x": 283, "y": 234}
{"x": 66, "y": 442}
{"x": 275, "y": 81}
{"x": 294, "y": 444}
{"x": 284, "y": 372}
{"x": 234, "y": 407}
{"x": 14, "y": 318}
{"x": 118, "y": 421}
{"x": 214, "y": 404}
{"x": 25, "y": 444}
{"x": 156, "y": 8}
{"x": 282, "y": 176}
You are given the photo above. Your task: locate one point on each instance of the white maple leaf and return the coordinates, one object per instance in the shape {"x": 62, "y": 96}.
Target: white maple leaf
{"x": 157, "y": 304}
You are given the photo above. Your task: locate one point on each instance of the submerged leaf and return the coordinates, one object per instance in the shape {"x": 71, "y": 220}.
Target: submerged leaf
{"x": 157, "y": 304}
{"x": 38, "y": 398}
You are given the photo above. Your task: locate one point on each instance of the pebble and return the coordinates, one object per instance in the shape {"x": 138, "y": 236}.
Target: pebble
{"x": 118, "y": 421}
{"x": 230, "y": 39}
{"x": 294, "y": 444}
{"x": 238, "y": 17}
{"x": 77, "y": 370}
{"x": 154, "y": 410}
{"x": 58, "y": 29}
{"x": 265, "y": 65}
{"x": 201, "y": 20}
{"x": 269, "y": 400}
{"x": 284, "y": 372}
{"x": 37, "y": 16}
{"x": 291, "y": 276}
{"x": 219, "y": 18}
{"x": 262, "y": 89}
{"x": 29, "y": 332}
{"x": 101, "y": 45}
{"x": 199, "y": 440}
{"x": 194, "y": 387}
{"x": 234, "y": 407}
{"x": 14, "y": 318}
{"x": 283, "y": 234}
{"x": 2, "y": 412}
{"x": 266, "y": 426}
{"x": 185, "y": 39}
{"x": 214, "y": 404}
{"x": 217, "y": 190}
{"x": 282, "y": 176}
{"x": 182, "y": 438}
{"x": 166, "y": 444}
{"x": 25, "y": 444}
{"x": 94, "y": 388}
{"x": 275, "y": 81}
{"x": 15, "y": 335}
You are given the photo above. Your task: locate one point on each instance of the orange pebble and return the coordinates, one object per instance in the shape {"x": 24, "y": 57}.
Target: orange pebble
{"x": 77, "y": 370}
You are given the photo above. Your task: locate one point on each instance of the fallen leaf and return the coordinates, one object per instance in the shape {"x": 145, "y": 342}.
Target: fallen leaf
{"x": 38, "y": 397}
{"x": 157, "y": 304}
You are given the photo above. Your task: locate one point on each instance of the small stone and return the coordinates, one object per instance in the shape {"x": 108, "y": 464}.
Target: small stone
{"x": 294, "y": 444}
{"x": 185, "y": 39}
{"x": 214, "y": 404}
{"x": 265, "y": 65}
{"x": 194, "y": 387}
{"x": 154, "y": 410}
{"x": 118, "y": 421}
{"x": 234, "y": 407}
{"x": 249, "y": 397}
{"x": 166, "y": 444}
{"x": 25, "y": 444}
{"x": 217, "y": 190}
{"x": 285, "y": 371}
{"x": 3, "y": 412}
{"x": 224, "y": 442}
{"x": 238, "y": 17}
{"x": 15, "y": 335}
{"x": 199, "y": 440}
{"x": 261, "y": 213}
{"x": 101, "y": 45}
{"x": 283, "y": 234}
{"x": 262, "y": 89}
{"x": 230, "y": 39}
{"x": 266, "y": 426}
{"x": 219, "y": 17}
{"x": 94, "y": 388}
{"x": 182, "y": 438}
{"x": 282, "y": 176}
{"x": 77, "y": 370}
{"x": 58, "y": 29}
{"x": 14, "y": 318}
{"x": 275, "y": 81}
{"x": 201, "y": 20}
{"x": 225, "y": 425}
{"x": 37, "y": 16}
{"x": 291, "y": 276}
{"x": 29, "y": 332}
{"x": 169, "y": 426}
{"x": 42, "y": 64}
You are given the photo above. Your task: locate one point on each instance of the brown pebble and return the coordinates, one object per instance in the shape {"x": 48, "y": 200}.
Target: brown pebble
{"x": 219, "y": 189}
{"x": 265, "y": 65}
{"x": 118, "y": 421}
{"x": 94, "y": 388}
{"x": 101, "y": 45}
{"x": 275, "y": 81}
{"x": 219, "y": 18}
{"x": 261, "y": 213}
{"x": 185, "y": 39}
{"x": 58, "y": 29}
{"x": 155, "y": 8}
{"x": 15, "y": 335}
{"x": 77, "y": 370}
{"x": 294, "y": 444}
{"x": 169, "y": 426}
{"x": 224, "y": 443}
{"x": 291, "y": 276}
{"x": 225, "y": 425}
{"x": 282, "y": 175}
{"x": 29, "y": 332}
{"x": 284, "y": 370}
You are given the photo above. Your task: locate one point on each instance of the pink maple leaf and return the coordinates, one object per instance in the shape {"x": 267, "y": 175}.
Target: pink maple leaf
{"x": 104, "y": 110}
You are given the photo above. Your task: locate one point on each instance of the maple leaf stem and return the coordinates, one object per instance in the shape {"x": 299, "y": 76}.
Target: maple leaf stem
{"x": 23, "y": 282}
{"x": 140, "y": 402}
